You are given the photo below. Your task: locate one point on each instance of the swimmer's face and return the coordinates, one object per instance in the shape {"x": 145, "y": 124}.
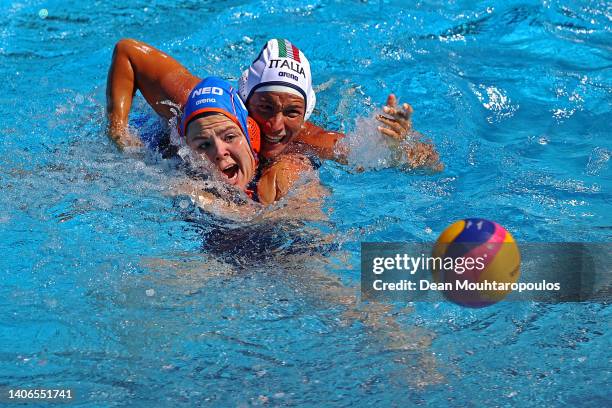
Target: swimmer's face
{"x": 222, "y": 141}
{"x": 280, "y": 117}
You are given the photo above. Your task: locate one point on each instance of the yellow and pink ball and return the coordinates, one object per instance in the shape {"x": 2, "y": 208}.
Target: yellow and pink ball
{"x": 498, "y": 253}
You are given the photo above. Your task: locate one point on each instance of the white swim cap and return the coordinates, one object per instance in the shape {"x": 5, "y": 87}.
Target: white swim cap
{"x": 282, "y": 67}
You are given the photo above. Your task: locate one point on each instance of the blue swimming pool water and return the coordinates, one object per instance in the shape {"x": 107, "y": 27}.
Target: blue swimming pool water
{"x": 115, "y": 288}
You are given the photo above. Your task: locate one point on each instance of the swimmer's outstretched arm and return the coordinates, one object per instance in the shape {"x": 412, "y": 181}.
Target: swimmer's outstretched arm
{"x": 137, "y": 66}
{"x": 322, "y": 142}
{"x": 416, "y": 154}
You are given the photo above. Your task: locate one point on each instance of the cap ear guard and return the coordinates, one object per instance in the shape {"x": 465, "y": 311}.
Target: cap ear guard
{"x": 254, "y": 135}
{"x": 243, "y": 86}
{"x": 312, "y": 101}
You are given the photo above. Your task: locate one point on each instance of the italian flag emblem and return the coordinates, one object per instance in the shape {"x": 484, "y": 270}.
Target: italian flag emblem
{"x": 288, "y": 50}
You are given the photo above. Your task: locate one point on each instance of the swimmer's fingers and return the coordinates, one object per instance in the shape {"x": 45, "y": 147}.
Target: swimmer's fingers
{"x": 391, "y": 101}
{"x": 393, "y": 124}
{"x": 404, "y": 113}
{"x": 407, "y": 111}
{"x": 390, "y": 110}
{"x": 398, "y": 119}
{"x": 391, "y": 133}
{"x": 400, "y": 127}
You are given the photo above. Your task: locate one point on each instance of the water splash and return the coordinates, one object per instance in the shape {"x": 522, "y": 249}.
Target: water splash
{"x": 367, "y": 147}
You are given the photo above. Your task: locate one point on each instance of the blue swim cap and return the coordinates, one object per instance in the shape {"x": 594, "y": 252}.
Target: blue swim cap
{"x": 214, "y": 94}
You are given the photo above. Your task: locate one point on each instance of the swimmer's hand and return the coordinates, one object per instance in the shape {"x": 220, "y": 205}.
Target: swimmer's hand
{"x": 406, "y": 142}
{"x": 399, "y": 124}
{"x": 123, "y": 138}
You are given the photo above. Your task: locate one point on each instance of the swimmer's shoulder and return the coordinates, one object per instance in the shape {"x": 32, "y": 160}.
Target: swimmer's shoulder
{"x": 278, "y": 176}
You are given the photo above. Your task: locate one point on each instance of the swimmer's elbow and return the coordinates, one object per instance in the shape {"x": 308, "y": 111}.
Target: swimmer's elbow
{"x": 129, "y": 49}
{"x": 124, "y": 46}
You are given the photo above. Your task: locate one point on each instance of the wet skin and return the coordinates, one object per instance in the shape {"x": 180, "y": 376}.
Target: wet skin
{"x": 222, "y": 141}
{"x": 280, "y": 117}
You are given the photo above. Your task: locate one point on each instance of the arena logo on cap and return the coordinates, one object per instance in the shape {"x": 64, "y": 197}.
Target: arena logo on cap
{"x": 288, "y": 75}
{"x": 205, "y": 100}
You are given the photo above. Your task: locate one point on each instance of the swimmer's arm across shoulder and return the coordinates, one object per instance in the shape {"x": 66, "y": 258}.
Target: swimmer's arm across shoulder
{"x": 277, "y": 178}
{"x": 324, "y": 143}
{"x": 137, "y": 66}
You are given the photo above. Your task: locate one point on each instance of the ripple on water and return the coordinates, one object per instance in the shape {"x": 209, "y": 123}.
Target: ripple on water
{"x": 115, "y": 285}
